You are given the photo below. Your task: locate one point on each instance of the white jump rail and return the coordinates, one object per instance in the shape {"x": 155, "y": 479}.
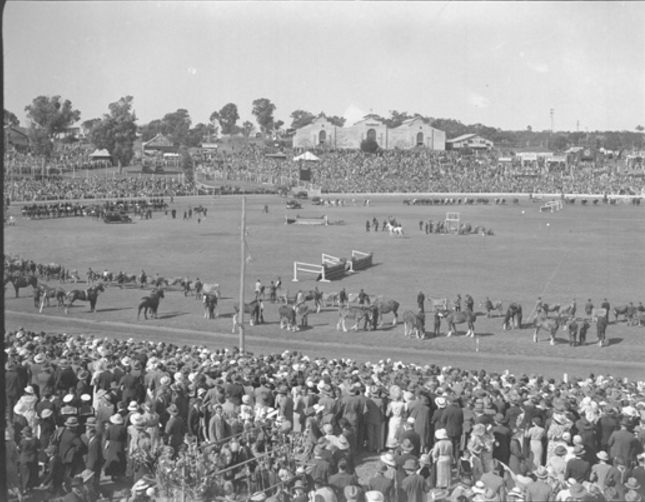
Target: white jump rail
{"x": 552, "y": 205}
{"x": 328, "y": 259}
{"x": 309, "y": 268}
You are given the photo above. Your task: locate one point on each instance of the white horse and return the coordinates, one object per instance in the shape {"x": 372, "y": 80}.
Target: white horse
{"x": 396, "y": 231}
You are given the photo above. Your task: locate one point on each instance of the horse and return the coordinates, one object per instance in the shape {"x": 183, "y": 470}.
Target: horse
{"x": 150, "y": 303}
{"x": 385, "y": 306}
{"x": 414, "y": 322}
{"x": 490, "y": 306}
{"x": 47, "y": 292}
{"x": 453, "y": 318}
{"x": 548, "y": 324}
{"x": 395, "y": 230}
{"x": 569, "y": 310}
{"x": 627, "y": 311}
{"x": 357, "y": 313}
{"x": 50, "y": 270}
{"x": 253, "y": 309}
{"x": 123, "y": 278}
{"x": 158, "y": 282}
{"x": 513, "y": 317}
{"x": 548, "y": 309}
{"x": 465, "y": 229}
{"x": 287, "y": 315}
{"x": 21, "y": 281}
{"x": 316, "y": 296}
{"x": 210, "y": 304}
{"x": 90, "y": 294}
{"x": 209, "y": 289}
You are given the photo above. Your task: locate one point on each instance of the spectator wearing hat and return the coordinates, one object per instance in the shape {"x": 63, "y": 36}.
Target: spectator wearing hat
{"x": 408, "y": 433}
{"x": 556, "y": 464}
{"x": 536, "y": 434}
{"x": 284, "y": 402}
{"x": 406, "y": 449}
{"x": 217, "y": 425}
{"x": 131, "y": 385}
{"x": 115, "y": 437}
{"x": 608, "y": 423}
{"x": 578, "y": 468}
{"x": 321, "y": 468}
{"x": 26, "y": 407}
{"x": 77, "y": 494}
{"x": 71, "y": 448}
{"x": 638, "y": 473}
{"x": 352, "y": 408}
{"x": 65, "y": 377}
{"x": 380, "y": 483}
{"x": 539, "y": 490}
{"x": 54, "y": 473}
{"x": 94, "y": 444}
{"x": 102, "y": 378}
{"x": 341, "y": 480}
{"x": 452, "y": 419}
{"x": 375, "y": 420}
{"x": 442, "y": 455}
{"x": 413, "y": 485}
{"x": 34, "y": 369}
{"x": 419, "y": 409}
{"x": 45, "y": 379}
{"x": 395, "y": 412}
{"x": 622, "y": 443}
{"x": 349, "y": 433}
{"x": 45, "y": 430}
{"x": 28, "y": 447}
{"x": 196, "y": 421}
{"x": 323, "y": 492}
{"x": 633, "y": 485}
{"x": 352, "y": 493}
{"x": 502, "y": 434}
{"x": 343, "y": 451}
{"x": 82, "y": 384}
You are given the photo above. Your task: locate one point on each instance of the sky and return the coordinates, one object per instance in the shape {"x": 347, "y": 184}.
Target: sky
{"x": 502, "y": 64}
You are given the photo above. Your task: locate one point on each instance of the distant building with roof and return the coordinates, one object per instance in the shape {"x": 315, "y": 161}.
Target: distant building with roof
{"x": 413, "y": 133}
{"x": 158, "y": 144}
{"x": 470, "y": 141}
{"x": 16, "y": 137}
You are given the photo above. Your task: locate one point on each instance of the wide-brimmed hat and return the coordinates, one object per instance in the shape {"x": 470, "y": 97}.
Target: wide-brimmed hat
{"x": 172, "y": 409}
{"x": 560, "y": 450}
{"x": 440, "y": 402}
{"x": 374, "y": 496}
{"x": 541, "y": 472}
{"x": 479, "y": 487}
{"x": 71, "y": 422}
{"x": 388, "y": 459}
{"x": 133, "y": 406}
{"x": 602, "y": 455}
{"x": 342, "y": 443}
{"x": 29, "y": 390}
{"x": 407, "y": 445}
{"x": 39, "y": 358}
{"x": 164, "y": 380}
{"x": 137, "y": 419}
{"x": 259, "y": 497}
{"x": 299, "y": 484}
{"x": 441, "y": 434}
{"x": 68, "y": 398}
{"x": 77, "y": 482}
{"x": 352, "y": 492}
{"x": 27, "y": 431}
{"x": 91, "y": 422}
{"x": 411, "y": 464}
{"x": 632, "y": 484}
{"x": 633, "y": 496}
{"x": 116, "y": 419}
{"x": 424, "y": 459}
{"x": 579, "y": 450}
{"x": 46, "y": 413}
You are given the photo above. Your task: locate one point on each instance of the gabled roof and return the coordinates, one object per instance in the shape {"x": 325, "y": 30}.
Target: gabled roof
{"x": 158, "y": 141}
{"x": 461, "y": 138}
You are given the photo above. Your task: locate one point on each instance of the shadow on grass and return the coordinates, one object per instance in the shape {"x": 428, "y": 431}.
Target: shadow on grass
{"x": 171, "y": 315}
{"x": 114, "y": 309}
{"x": 613, "y": 341}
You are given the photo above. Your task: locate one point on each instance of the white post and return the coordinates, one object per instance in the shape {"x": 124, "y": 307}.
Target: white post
{"x": 242, "y": 273}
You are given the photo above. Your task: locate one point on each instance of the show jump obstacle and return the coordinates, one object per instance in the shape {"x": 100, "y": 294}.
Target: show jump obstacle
{"x": 552, "y": 205}
{"x": 452, "y": 223}
{"x": 322, "y": 220}
{"x": 332, "y": 267}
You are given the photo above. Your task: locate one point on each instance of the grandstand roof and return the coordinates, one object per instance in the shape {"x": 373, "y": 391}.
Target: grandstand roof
{"x": 159, "y": 142}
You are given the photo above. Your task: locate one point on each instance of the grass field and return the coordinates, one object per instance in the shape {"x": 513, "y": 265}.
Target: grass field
{"x": 580, "y": 252}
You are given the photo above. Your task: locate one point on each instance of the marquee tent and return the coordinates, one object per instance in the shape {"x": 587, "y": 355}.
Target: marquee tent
{"x": 307, "y": 156}
{"x": 100, "y": 155}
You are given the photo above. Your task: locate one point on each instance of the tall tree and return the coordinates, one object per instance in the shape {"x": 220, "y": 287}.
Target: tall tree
{"x": 176, "y": 125}
{"x": 228, "y": 117}
{"x": 337, "y": 121}
{"x": 187, "y": 164}
{"x": 263, "y": 110}
{"x": 88, "y": 125}
{"x": 301, "y": 118}
{"x": 396, "y": 118}
{"x": 48, "y": 115}
{"x": 10, "y": 119}
{"x": 117, "y": 131}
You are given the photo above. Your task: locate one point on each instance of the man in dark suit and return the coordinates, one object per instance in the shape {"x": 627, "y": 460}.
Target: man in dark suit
{"x": 94, "y": 458}
{"x": 578, "y": 468}
{"x": 503, "y": 435}
{"x": 410, "y": 434}
{"x": 452, "y": 419}
{"x": 622, "y": 444}
{"x": 54, "y": 473}
{"x": 71, "y": 448}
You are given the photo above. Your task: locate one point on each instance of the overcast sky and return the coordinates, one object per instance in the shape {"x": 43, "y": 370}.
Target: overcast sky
{"x": 503, "y": 64}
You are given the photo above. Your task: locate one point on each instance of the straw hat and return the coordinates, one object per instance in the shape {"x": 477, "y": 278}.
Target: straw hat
{"x": 541, "y": 472}
{"x": 39, "y": 358}
{"x": 411, "y": 464}
{"x": 133, "y": 406}
{"x": 441, "y": 434}
{"x": 374, "y": 496}
{"x": 71, "y": 422}
{"x": 388, "y": 459}
{"x": 116, "y": 419}
{"x": 407, "y": 445}
{"x": 342, "y": 443}
{"x": 632, "y": 484}
{"x": 352, "y": 492}
{"x": 602, "y": 455}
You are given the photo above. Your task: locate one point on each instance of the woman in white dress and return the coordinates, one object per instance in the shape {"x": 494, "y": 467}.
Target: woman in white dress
{"x": 395, "y": 412}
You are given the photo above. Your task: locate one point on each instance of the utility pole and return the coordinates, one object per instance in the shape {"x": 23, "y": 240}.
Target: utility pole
{"x": 242, "y": 274}
{"x": 552, "y": 111}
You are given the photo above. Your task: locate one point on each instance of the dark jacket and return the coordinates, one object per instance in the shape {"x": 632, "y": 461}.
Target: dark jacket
{"x": 452, "y": 419}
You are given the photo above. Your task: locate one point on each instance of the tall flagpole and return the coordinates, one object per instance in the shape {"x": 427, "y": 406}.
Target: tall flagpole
{"x": 242, "y": 272}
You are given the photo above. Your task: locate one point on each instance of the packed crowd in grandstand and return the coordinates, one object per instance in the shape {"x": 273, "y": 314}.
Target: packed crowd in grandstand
{"x": 351, "y": 172}
{"x": 221, "y": 425}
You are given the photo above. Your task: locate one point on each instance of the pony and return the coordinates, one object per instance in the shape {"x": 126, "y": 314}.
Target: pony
{"x": 513, "y": 317}
{"x": 490, "y": 306}
{"x": 21, "y": 281}
{"x": 395, "y": 230}
{"x": 287, "y": 315}
{"x": 210, "y": 304}
{"x": 453, "y": 318}
{"x": 627, "y": 311}
{"x": 209, "y": 289}
{"x": 253, "y": 309}
{"x": 46, "y": 292}
{"x": 548, "y": 324}
{"x": 90, "y": 294}
{"x": 357, "y": 313}
{"x": 385, "y": 306}
{"x": 150, "y": 303}
{"x": 414, "y": 322}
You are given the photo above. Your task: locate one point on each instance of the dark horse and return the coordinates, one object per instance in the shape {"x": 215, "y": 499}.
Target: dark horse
{"x": 150, "y": 303}
{"x": 86, "y": 295}
{"x": 252, "y": 308}
{"x": 21, "y": 281}
{"x": 513, "y": 317}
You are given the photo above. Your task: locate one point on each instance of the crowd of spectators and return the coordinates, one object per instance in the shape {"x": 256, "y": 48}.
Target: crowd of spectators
{"x": 397, "y": 171}
{"x": 228, "y": 426}
{"x": 117, "y": 187}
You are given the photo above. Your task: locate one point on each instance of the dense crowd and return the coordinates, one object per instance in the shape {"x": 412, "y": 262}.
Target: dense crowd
{"x": 425, "y": 171}
{"x": 223, "y": 425}
{"x": 94, "y": 188}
